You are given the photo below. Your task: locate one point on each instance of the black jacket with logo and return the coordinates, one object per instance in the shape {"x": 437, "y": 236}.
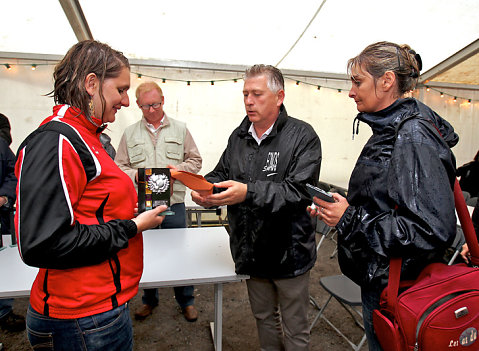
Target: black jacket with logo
{"x": 272, "y": 235}
{"x": 400, "y": 195}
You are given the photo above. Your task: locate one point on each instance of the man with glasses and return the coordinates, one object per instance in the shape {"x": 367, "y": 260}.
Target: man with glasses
{"x": 160, "y": 141}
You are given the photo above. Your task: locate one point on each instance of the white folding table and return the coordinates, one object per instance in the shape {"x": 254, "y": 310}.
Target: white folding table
{"x": 172, "y": 257}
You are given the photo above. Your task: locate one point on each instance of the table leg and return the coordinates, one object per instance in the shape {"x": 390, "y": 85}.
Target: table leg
{"x": 217, "y": 325}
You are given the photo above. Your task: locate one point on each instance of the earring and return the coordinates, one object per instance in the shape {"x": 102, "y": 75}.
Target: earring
{"x": 91, "y": 107}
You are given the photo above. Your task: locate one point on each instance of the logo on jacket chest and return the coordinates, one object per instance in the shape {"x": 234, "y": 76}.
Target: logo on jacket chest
{"x": 271, "y": 163}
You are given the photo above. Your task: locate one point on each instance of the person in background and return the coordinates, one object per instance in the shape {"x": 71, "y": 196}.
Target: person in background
{"x": 469, "y": 176}
{"x": 158, "y": 140}
{"x": 475, "y": 219}
{"x": 400, "y": 197}
{"x": 466, "y": 255}
{"x": 75, "y": 217}
{"x": 9, "y": 320}
{"x": 262, "y": 178}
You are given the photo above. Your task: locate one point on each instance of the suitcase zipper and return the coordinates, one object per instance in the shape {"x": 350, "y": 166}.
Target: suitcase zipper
{"x": 431, "y": 308}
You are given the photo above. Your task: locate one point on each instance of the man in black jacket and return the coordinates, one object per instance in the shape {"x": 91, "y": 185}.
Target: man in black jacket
{"x": 262, "y": 177}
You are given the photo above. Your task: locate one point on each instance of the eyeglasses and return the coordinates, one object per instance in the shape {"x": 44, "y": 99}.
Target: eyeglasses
{"x": 156, "y": 106}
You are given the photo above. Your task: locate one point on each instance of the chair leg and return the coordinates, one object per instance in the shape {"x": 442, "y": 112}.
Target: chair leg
{"x": 336, "y": 249}
{"x": 350, "y": 311}
{"x": 361, "y": 343}
{"x": 453, "y": 258}
{"x": 355, "y": 347}
{"x": 319, "y": 313}
{"x": 314, "y": 302}
{"x": 334, "y": 253}
{"x": 320, "y": 242}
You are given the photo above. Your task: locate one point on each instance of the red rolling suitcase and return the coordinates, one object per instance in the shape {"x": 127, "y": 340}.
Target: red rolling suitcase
{"x": 440, "y": 309}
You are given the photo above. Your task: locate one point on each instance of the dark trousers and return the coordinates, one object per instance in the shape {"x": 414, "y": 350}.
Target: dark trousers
{"x": 184, "y": 294}
{"x": 370, "y": 300}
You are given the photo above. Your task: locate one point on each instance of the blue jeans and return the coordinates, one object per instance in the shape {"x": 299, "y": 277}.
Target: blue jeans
{"x": 370, "y": 301}
{"x": 5, "y": 306}
{"x": 108, "y": 331}
{"x": 184, "y": 294}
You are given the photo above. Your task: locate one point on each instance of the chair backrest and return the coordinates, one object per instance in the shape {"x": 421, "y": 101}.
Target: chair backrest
{"x": 322, "y": 229}
{"x": 472, "y": 201}
{"x": 459, "y": 240}
{"x": 324, "y": 186}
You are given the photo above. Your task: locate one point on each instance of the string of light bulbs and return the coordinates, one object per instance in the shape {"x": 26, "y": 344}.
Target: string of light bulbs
{"x": 188, "y": 82}
{"x": 139, "y": 76}
{"x": 235, "y": 80}
{"x": 442, "y": 94}
{"x": 318, "y": 86}
{"x": 8, "y": 66}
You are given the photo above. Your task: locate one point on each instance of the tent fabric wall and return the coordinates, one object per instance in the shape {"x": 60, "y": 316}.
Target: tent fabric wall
{"x": 213, "y": 111}
{"x": 462, "y": 114}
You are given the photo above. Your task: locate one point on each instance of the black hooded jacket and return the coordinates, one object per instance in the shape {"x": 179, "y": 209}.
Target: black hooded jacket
{"x": 272, "y": 235}
{"x": 400, "y": 195}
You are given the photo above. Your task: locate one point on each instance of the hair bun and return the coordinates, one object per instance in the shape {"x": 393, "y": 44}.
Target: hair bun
{"x": 414, "y": 74}
{"x": 418, "y": 59}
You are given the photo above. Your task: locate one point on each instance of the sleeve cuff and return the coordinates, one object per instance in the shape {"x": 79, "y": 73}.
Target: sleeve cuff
{"x": 250, "y": 192}
{"x": 345, "y": 219}
{"x": 130, "y": 228}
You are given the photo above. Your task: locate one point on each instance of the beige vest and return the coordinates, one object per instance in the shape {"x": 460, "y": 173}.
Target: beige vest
{"x": 169, "y": 150}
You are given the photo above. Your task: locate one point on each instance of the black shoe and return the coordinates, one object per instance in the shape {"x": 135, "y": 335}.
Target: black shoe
{"x": 12, "y": 322}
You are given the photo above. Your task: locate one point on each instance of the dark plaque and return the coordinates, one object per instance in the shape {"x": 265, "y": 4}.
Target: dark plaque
{"x": 154, "y": 189}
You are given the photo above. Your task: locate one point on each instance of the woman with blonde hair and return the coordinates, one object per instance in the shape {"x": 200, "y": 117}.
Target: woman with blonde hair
{"x": 400, "y": 197}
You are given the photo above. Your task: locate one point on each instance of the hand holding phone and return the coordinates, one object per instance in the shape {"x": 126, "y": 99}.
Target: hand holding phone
{"x": 319, "y": 193}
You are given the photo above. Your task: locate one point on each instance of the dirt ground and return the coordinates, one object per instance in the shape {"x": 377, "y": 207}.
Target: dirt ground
{"x": 167, "y": 330}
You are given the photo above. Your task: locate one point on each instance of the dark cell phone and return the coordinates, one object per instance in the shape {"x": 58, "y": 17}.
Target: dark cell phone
{"x": 319, "y": 193}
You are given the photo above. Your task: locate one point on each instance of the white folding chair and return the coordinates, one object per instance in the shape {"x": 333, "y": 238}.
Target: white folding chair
{"x": 343, "y": 289}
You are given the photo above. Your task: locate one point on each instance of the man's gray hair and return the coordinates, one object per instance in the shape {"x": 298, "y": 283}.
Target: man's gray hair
{"x": 275, "y": 77}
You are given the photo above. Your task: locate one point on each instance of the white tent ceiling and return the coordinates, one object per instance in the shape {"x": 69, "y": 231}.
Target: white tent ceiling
{"x": 249, "y": 31}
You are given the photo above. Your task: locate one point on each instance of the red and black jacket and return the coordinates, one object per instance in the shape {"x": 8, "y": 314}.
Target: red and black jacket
{"x": 73, "y": 219}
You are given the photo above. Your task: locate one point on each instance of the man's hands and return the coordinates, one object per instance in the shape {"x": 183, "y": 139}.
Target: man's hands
{"x": 235, "y": 193}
